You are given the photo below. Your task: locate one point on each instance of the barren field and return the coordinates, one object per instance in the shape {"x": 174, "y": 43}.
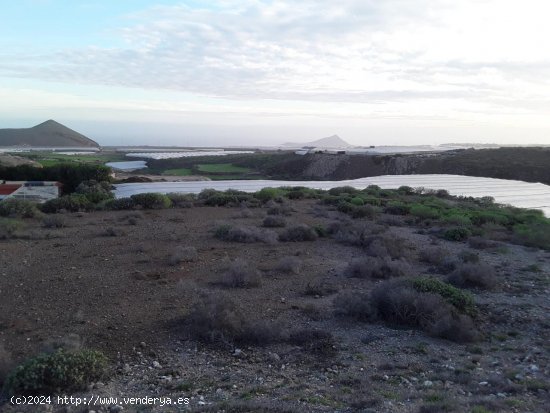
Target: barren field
{"x": 265, "y": 320}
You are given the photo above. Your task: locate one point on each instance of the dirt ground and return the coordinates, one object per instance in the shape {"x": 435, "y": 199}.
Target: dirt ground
{"x": 106, "y": 279}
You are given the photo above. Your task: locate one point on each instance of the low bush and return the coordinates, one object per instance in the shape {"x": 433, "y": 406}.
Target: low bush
{"x": 400, "y": 304}
{"x": 62, "y": 371}
{"x": 217, "y": 319}
{"x": 289, "y": 265}
{"x": 424, "y": 212}
{"x": 354, "y": 305}
{"x": 151, "y": 201}
{"x": 469, "y": 256}
{"x": 9, "y": 228}
{"x": 298, "y": 233}
{"x": 95, "y": 191}
{"x": 53, "y": 221}
{"x": 387, "y": 245}
{"x": 240, "y": 274}
{"x": 535, "y": 234}
{"x": 71, "y": 203}
{"x": 284, "y": 210}
{"x": 182, "y": 200}
{"x": 397, "y": 208}
{"x": 18, "y": 208}
{"x": 183, "y": 254}
{"x": 456, "y": 234}
{"x": 355, "y": 211}
{"x": 377, "y": 268}
{"x": 314, "y": 341}
{"x": 119, "y": 204}
{"x": 478, "y": 275}
{"x": 460, "y": 299}
{"x": 267, "y": 194}
{"x": 433, "y": 255}
{"x": 340, "y": 190}
{"x": 274, "y": 221}
{"x": 245, "y": 234}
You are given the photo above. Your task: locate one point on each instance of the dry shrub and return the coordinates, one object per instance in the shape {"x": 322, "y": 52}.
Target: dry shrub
{"x": 298, "y": 233}
{"x": 387, "y": 245}
{"x": 53, "y": 221}
{"x": 320, "y": 289}
{"x": 240, "y": 274}
{"x": 378, "y": 268}
{"x": 355, "y": 305}
{"x": 183, "y": 254}
{"x": 217, "y": 319}
{"x": 433, "y": 255}
{"x": 246, "y": 234}
{"x": 398, "y": 303}
{"x": 274, "y": 221}
{"x": 314, "y": 341}
{"x": 275, "y": 209}
{"x": 289, "y": 265}
{"x": 478, "y": 275}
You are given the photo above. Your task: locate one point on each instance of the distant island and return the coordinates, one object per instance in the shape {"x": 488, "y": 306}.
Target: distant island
{"x": 45, "y": 135}
{"x": 331, "y": 142}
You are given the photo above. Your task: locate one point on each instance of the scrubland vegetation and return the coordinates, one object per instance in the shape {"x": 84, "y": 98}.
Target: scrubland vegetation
{"x": 342, "y": 300}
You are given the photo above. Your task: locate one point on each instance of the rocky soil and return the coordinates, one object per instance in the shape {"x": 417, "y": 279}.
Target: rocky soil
{"x": 109, "y": 281}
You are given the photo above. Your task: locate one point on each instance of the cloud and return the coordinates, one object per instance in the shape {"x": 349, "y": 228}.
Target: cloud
{"x": 479, "y": 55}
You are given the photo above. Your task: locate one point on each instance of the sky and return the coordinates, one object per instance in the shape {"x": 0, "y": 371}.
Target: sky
{"x": 261, "y": 72}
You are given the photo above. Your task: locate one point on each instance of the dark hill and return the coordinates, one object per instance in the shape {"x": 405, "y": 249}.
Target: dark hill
{"x": 47, "y": 134}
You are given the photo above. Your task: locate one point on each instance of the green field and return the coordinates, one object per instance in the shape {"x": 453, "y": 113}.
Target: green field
{"x": 178, "y": 172}
{"x": 52, "y": 158}
{"x": 222, "y": 168}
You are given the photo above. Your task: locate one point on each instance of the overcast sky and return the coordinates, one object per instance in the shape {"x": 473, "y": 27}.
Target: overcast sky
{"x": 258, "y": 72}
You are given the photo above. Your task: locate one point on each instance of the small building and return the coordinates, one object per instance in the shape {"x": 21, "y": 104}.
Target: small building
{"x": 34, "y": 191}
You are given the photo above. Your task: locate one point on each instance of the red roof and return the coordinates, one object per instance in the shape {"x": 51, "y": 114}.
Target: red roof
{"x": 7, "y": 189}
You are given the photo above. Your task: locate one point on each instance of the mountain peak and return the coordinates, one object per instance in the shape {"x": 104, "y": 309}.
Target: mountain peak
{"x": 46, "y": 134}
{"x": 330, "y": 142}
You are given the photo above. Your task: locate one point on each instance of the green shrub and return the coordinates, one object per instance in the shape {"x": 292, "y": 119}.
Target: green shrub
{"x": 397, "y": 208}
{"x": 267, "y": 194}
{"x": 61, "y": 371}
{"x": 152, "y": 201}
{"x": 533, "y": 234}
{"x": 405, "y": 190}
{"x": 456, "y": 234}
{"x": 343, "y": 190}
{"x": 18, "y": 208}
{"x": 9, "y": 227}
{"x": 119, "y": 204}
{"x": 357, "y": 201}
{"x": 461, "y": 299}
{"x": 71, "y": 203}
{"x": 95, "y": 191}
{"x": 424, "y": 212}
{"x": 458, "y": 219}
